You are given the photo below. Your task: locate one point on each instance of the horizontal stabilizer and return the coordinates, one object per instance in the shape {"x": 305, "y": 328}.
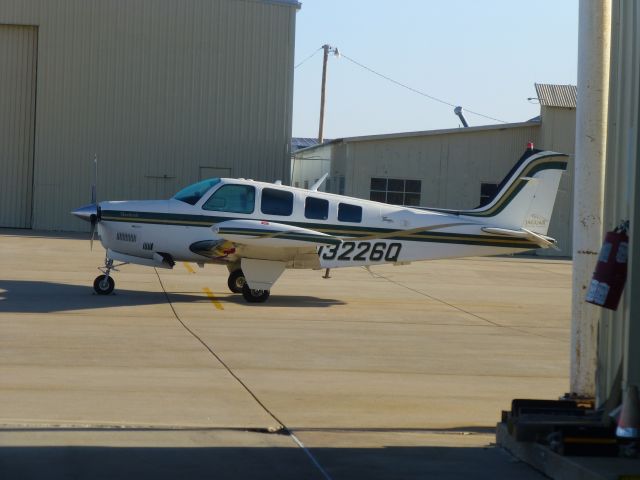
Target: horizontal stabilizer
{"x": 542, "y": 240}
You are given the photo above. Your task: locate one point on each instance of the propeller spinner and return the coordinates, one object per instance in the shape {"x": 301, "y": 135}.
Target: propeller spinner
{"x": 89, "y": 213}
{"x": 92, "y": 212}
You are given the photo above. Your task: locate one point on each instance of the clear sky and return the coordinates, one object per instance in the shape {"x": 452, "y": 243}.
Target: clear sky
{"x": 482, "y": 54}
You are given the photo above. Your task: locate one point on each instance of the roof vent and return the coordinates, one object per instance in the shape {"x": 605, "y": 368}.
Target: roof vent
{"x": 459, "y": 112}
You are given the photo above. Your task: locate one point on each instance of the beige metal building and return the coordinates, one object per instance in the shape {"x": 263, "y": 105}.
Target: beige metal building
{"x": 164, "y": 92}
{"x": 456, "y": 168}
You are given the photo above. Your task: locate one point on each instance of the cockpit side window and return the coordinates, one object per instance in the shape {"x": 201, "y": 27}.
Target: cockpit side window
{"x": 193, "y": 193}
{"x": 232, "y": 198}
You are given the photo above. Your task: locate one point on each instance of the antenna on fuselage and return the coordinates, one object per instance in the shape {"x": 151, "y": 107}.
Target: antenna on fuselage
{"x": 316, "y": 186}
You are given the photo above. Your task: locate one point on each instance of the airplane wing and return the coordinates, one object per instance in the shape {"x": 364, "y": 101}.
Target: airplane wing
{"x": 270, "y": 234}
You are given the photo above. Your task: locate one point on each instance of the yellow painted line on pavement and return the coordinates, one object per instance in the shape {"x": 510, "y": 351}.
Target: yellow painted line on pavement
{"x": 213, "y": 298}
{"x": 188, "y": 267}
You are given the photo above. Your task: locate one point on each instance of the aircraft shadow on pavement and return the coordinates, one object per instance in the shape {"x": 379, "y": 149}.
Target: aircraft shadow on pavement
{"x": 27, "y": 296}
{"x": 247, "y": 463}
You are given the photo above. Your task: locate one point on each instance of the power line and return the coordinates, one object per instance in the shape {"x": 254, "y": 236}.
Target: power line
{"x": 431, "y": 97}
{"x": 308, "y": 58}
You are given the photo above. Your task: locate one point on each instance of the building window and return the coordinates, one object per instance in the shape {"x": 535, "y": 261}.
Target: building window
{"x": 396, "y": 191}
{"x": 349, "y": 213}
{"x": 276, "y": 202}
{"x": 316, "y": 208}
{"x": 232, "y": 198}
{"x": 487, "y": 193}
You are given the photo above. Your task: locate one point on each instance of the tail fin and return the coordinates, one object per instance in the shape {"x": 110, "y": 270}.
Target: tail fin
{"x": 526, "y": 196}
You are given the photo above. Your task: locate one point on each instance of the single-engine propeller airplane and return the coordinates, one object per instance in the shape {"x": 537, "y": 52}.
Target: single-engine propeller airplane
{"x": 258, "y": 229}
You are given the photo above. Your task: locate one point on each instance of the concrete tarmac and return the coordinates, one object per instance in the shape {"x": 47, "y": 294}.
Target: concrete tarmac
{"x": 397, "y": 373}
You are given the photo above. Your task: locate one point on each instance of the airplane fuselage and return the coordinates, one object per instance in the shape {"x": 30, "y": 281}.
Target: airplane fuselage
{"x": 260, "y": 229}
{"x": 172, "y": 227}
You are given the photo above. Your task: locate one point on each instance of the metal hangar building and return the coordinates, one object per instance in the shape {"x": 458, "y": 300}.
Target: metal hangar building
{"x": 163, "y": 92}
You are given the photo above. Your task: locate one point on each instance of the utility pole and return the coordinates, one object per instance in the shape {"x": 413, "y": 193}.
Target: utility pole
{"x": 327, "y": 49}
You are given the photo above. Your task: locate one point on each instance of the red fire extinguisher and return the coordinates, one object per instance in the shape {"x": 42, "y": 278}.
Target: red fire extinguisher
{"x": 610, "y": 276}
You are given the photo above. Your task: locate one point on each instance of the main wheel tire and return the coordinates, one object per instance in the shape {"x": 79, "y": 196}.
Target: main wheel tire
{"x": 254, "y": 296}
{"x": 103, "y": 285}
{"x": 236, "y": 281}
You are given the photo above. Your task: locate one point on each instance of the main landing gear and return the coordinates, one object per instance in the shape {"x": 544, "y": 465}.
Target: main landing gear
{"x": 254, "y": 296}
{"x": 236, "y": 281}
{"x": 104, "y": 284}
{"x": 238, "y": 284}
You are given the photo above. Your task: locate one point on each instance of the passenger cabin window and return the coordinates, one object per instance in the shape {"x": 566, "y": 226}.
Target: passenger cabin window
{"x": 316, "y": 208}
{"x": 232, "y": 198}
{"x": 276, "y": 202}
{"x": 349, "y": 213}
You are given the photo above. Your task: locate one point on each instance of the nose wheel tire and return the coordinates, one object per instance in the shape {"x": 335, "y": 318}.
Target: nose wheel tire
{"x": 236, "y": 281}
{"x": 103, "y": 285}
{"x": 254, "y": 296}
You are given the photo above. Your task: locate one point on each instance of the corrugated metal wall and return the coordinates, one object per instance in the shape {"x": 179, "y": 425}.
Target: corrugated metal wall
{"x": 157, "y": 89}
{"x": 18, "y": 51}
{"x": 619, "y": 332}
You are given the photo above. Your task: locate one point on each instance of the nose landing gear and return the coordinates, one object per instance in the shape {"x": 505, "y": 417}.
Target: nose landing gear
{"x": 104, "y": 284}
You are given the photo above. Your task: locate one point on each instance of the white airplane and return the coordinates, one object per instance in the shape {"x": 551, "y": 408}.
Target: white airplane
{"x": 258, "y": 229}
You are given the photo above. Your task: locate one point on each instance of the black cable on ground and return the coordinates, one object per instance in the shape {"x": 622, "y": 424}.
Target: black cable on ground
{"x": 218, "y": 358}
{"x": 283, "y": 430}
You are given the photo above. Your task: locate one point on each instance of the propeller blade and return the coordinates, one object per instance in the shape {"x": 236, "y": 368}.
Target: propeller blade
{"x": 94, "y": 187}
{"x": 94, "y": 200}
{"x": 95, "y": 219}
{"x": 94, "y": 222}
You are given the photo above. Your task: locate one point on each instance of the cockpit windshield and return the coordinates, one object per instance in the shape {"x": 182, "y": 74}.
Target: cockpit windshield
{"x": 193, "y": 193}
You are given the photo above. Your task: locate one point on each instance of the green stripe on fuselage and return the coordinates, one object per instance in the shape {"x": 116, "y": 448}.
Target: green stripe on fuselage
{"x": 353, "y": 231}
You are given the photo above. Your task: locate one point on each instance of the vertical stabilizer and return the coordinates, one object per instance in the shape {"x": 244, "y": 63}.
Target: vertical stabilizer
{"x": 526, "y": 196}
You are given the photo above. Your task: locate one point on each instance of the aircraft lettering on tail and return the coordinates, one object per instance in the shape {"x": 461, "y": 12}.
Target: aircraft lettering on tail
{"x": 259, "y": 229}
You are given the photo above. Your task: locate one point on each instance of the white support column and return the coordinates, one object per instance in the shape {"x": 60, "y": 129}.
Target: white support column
{"x": 594, "y": 38}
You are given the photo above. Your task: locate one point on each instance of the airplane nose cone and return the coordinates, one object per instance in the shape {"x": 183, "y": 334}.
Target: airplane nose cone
{"x": 85, "y": 213}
